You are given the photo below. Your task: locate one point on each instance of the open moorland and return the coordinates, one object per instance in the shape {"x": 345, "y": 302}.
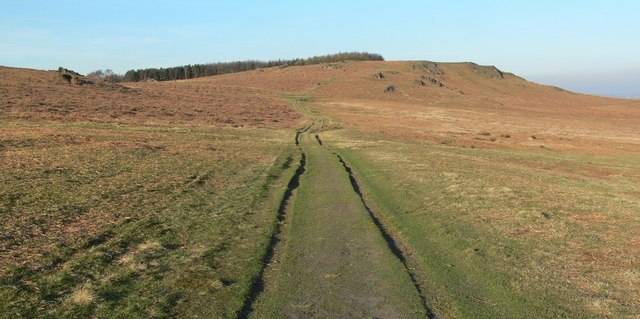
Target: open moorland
{"x": 350, "y": 189}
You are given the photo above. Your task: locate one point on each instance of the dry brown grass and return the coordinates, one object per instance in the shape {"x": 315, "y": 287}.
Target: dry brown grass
{"x": 81, "y": 296}
{"x": 41, "y": 96}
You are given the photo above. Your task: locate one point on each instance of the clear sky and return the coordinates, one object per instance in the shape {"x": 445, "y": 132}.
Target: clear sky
{"x": 589, "y": 46}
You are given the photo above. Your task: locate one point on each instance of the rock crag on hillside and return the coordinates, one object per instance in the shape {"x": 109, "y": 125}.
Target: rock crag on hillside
{"x": 72, "y": 77}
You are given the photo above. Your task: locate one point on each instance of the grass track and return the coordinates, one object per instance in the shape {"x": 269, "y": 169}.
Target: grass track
{"x": 334, "y": 263}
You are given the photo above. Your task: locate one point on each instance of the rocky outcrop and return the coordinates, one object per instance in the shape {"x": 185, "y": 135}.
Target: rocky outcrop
{"x": 72, "y": 77}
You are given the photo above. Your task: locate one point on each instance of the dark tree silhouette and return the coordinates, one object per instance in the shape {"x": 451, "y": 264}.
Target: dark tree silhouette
{"x": 211, "y": 69}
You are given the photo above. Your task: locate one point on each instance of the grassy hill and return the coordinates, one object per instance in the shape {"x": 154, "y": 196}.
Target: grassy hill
{"x": 159, "y": 199}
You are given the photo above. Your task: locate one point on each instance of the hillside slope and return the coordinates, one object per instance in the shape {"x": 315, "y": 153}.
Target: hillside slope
{"x": 514, "y": 199}
{"x": 40, "y": 95}
{"x": 453, "y": 103}
{"x": 497, "y": 197}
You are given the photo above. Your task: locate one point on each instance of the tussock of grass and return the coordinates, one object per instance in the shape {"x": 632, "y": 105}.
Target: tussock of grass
{"x": 81, "y": 296}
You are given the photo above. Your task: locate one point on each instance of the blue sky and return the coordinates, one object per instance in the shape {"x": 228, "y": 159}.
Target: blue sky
{"x": 588, "y": 46}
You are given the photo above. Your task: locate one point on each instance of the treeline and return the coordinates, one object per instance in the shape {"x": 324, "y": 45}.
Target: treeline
{"x": 210, "y": 69}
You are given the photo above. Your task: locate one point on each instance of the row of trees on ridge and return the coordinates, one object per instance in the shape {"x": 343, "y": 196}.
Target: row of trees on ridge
{"x": 209, "y": 69}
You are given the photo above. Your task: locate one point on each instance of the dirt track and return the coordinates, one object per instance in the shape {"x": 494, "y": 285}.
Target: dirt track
{"x": 333, "y": 260}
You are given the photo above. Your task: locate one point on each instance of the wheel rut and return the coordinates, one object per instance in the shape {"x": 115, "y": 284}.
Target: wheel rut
{"x": 391, "y": 243}
{"x": 335, "y": 258}
{"x": 257, "y": 285}
{"x": 395, "y": 249}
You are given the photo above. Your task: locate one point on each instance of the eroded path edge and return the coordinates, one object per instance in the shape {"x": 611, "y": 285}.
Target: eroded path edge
{"x": 395, "y": 249}
{"x": 257, "y": 285}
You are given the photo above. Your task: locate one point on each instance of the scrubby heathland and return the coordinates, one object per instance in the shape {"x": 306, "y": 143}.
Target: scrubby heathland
{"x": 343, "y": 188}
